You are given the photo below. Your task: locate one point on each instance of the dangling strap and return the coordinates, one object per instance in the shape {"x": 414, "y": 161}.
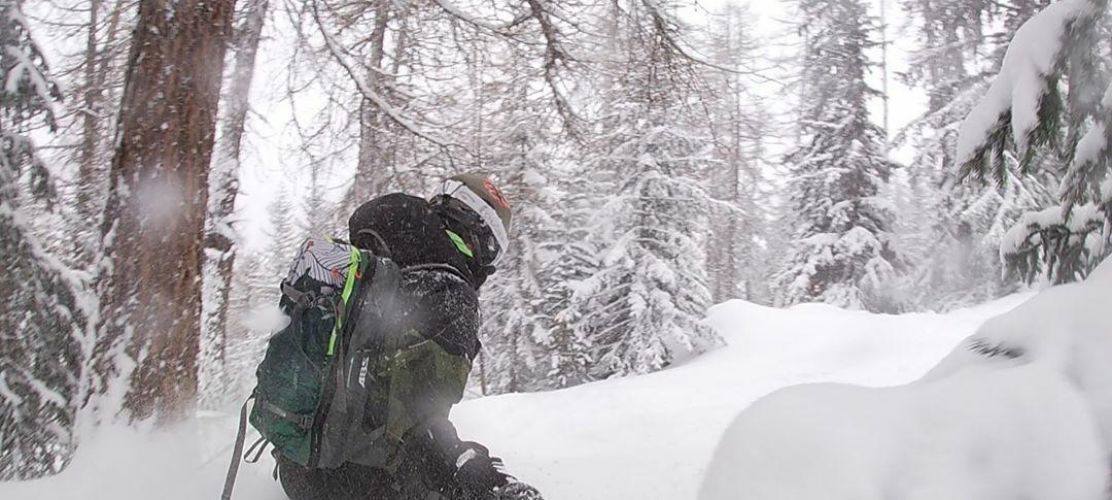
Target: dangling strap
{"x": 237, "y": 450}
{"x": 257, "y": 448}
{"x": 303, "y": 422}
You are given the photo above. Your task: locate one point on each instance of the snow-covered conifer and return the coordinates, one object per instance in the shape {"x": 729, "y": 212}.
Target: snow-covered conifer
{"x": 253, "y": 294}
{"x": 1029, "y": 116}
{"x": 953, "y": 229}
{"x": 843, "y": 252}
{"x": 571, "y": 256}
{"x": 644, "y": 305}
{"x": 515, "y": 327}
{"x": 41, "y": 321}
{"x": 284, "y": 239}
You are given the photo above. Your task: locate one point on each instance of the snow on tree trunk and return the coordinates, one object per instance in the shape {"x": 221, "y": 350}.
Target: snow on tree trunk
{"x": 220, "y": 235}
{"x": 154, "y": 217}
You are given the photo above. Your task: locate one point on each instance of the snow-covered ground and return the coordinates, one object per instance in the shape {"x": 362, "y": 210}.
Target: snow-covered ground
{"x": 641, "y": 438}
{"x": 1021, "y": 409}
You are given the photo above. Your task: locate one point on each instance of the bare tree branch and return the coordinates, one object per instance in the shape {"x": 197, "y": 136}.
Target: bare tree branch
{"x": 395, "y": 115}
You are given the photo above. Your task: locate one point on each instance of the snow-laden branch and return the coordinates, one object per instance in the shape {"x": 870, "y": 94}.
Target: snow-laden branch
{"x": 1093, "y": 150}
{"x": 1022, "y": 83}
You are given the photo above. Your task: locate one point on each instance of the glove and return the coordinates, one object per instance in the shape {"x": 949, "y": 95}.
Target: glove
{"x": 477, "y": 473}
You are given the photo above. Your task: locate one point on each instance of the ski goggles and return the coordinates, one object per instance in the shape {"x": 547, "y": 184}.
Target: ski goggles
{"x": 492, "y": 234}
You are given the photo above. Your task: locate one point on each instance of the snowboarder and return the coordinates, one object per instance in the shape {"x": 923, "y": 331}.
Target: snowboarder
{"x": 446, "y": 246}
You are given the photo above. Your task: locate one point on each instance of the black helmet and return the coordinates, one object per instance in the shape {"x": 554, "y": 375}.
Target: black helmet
{"x": 477, "y": 206}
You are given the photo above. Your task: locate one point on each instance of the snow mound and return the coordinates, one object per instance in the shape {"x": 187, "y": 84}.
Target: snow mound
{"x": 1021, "y": 409}
{"x": 999, "y": 435}
{"x": 1066, "y": 328}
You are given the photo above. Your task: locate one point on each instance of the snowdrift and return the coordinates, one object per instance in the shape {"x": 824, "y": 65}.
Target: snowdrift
{"x": 641, "y": 438}
{"x": 1021, "y": 409}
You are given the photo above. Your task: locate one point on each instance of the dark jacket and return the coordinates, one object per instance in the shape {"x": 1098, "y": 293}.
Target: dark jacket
{"x": 434, "y": 333}
{"x": 438, "y": 302}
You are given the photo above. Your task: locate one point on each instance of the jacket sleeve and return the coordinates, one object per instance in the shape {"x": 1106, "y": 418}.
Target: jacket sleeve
{"x": 427, "y": 380}
{"x": 430, "y": 369}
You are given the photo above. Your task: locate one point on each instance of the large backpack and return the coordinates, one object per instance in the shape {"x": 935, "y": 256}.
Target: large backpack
{"x": 311, "y": 397}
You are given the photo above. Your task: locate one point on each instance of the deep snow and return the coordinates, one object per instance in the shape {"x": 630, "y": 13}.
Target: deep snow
{"x": 980, "y": 434}
{"x": 642, "y": 438}
{"x": 1021, "y": 409}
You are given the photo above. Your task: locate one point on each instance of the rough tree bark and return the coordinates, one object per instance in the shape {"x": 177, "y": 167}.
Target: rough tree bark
{"x": 154, "y": 217}
{"x": 219, "y": 234}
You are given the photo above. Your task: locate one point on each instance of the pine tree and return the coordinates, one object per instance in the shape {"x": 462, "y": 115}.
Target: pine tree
{"x": 41, "y": 322}
{"x": 1058, "y": 127}
{"x": 251, "y": 291}
{"x": 574, "y": 257}
{"x": 515, "y": 327}
{"x": 284, "y": 239}
{"x": 950, "y": 225}
{"x": 843, "y": 250}
{"x": 253, "y": 302}
{"x": 1012, "y": 15}
{"x": 644, "y": 306}
{"x": 321, "y": 216}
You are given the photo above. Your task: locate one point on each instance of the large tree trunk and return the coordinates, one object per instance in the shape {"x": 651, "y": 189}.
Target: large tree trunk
{"x": 219, "y": 240}
{"x": 158, "y": 192}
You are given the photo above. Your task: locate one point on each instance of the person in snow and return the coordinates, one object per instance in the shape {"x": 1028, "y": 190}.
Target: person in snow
{"x": 446, "y": 246}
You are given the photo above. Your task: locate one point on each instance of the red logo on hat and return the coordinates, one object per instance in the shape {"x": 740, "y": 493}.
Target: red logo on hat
{"x": 493, "y": 191}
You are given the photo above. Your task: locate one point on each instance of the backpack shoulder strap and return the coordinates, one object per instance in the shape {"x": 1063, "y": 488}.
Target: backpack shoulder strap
{"x": 385, "y": 282}
{"x": 435, "y": 267}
